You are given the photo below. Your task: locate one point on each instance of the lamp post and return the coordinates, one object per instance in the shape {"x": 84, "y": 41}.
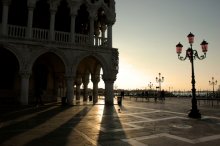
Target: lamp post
{"x": 159, "y": 80}
{"x": 191, "y": 55}
{"x": 213, "y": 83}
{"x": 150, "y": 85}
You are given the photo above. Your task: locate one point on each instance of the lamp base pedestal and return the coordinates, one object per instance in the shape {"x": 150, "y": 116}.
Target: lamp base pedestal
{"x": 194, "y": 114}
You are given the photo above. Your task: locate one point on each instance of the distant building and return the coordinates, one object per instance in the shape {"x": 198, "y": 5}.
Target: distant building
{"x": 55, "y": 45}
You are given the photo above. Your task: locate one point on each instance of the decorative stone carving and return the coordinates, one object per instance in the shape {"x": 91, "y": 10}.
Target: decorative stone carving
{"x": 115, "y": 62}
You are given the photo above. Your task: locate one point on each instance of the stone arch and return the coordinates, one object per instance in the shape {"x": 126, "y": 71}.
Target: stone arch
{"x": 48, "y": 71}
{"x": 16, "y": 52}
{"x": 101, "y": 59}
{"x": 88, "y": 68}
{"x": 9, "y": 76}
{"x": 57, "y": 52}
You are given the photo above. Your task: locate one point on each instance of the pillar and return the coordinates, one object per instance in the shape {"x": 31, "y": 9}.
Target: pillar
{"x": 78, "y": 84}
{"x": 95, "y": 80}
{"x": 109, "y": 33}
{"x": 30, "y": 22}
{"x": 5, "y": 17}
{"x": 73, "y": 19}
{"x": 97, "y": 32}
{"x": 85, "y": 85}
{"x": 24, "y": 88}
{"x": 69, "y": 90}
{"x": 103, "y": 29}
{"x": 52, "y": 23}
{"x": 91, "y": 36}
{"x": 109, "y": 94}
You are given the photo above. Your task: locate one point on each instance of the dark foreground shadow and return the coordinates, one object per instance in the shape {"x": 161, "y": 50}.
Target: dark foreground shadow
{"x": 36, "y": 116}
{"x": 112, "y": 129}
{"x": 60, "y": 135}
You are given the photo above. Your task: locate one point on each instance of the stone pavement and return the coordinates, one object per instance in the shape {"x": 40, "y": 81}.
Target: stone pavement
{"x": 134, "y": 123}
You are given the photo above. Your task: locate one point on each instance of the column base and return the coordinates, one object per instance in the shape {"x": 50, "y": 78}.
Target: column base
{"x": 194, "y": 114}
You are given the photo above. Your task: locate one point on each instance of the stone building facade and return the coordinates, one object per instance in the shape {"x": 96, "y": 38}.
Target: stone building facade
{"x": 56, "y": 45}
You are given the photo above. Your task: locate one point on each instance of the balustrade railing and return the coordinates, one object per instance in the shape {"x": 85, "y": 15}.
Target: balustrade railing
{"x": 20, "y": 32}
{"x": 82, "y": 39}
{"x": 40, "y": 34}
{"x": 101, "y": 41}
{"x": 62, "y": 36}
{"x": 16, "y": 31}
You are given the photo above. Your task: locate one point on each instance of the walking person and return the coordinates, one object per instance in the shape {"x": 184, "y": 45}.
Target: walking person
{"x": 162, "y": 95}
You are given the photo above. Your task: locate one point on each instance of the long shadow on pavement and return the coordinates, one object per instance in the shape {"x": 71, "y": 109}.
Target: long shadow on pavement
{"x": 16, "y": 128}
{"x": 111, "y": 121}
{"x": 61, "y": 135}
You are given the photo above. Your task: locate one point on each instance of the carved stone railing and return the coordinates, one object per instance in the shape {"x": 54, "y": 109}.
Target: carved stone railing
{"x": 40, "y": 34}
{"x": 62, "y": 36}
{"x": 44, "y": 35}
{"x": 16, "y": 31}
{"x": 82, "y": 39}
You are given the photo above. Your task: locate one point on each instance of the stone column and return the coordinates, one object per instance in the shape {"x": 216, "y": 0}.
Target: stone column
{"x": 30, "y": 22}
{"x": 24, "y": 87}
{"x": 5, "y": 16}
{"x": 91, "y": 34}
{"x": 109, "y": 35}
{"x": 73, "y": 19}
{"x": 85, "y": 87}
{"x": 78, "y": 84}
{"x": 109, "y": 94}
{"x": 103, "y": 29}
{"x": 97, "y": 32}
{"x": 95, "y": 80}
{"x": 69, "y": 90}
{"x": 52, "y": 23}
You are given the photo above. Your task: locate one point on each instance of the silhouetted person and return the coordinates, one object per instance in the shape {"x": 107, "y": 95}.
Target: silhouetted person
{"x": 162, "y": 95}
{"x": 122, "y": 94}
{"x": 146, "y": 95}
{"x": 155, "y": 97}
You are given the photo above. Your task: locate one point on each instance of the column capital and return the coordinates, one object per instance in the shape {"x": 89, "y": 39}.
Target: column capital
{"x": 74, "y": 7}
{"x": 31, "y": 4}
{"x": 73, "y": 11}
{"x": 6, "y": 2}
{"x": 25, "y": 74}
{"x": 53, "y": 7}
{"x": 92, "y": 13}
{"x": 69, "y": 77}
{"x": 95, "y": 78}
{"x": 53, "y": 10}
{"x": 109, "y": 79}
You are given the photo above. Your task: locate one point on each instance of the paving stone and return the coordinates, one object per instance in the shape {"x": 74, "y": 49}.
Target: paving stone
{"x": 138, "y": 123}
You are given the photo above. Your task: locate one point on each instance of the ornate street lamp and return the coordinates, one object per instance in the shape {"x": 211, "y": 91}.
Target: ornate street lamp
{"x": 191, "y": 55}
{"x": 159, "y": 80}
{"x": 150, "y": 85}
{"x": 213, "y": 83}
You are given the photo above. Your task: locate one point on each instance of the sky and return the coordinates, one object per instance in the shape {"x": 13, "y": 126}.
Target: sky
{"x": 146, "y": 33}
